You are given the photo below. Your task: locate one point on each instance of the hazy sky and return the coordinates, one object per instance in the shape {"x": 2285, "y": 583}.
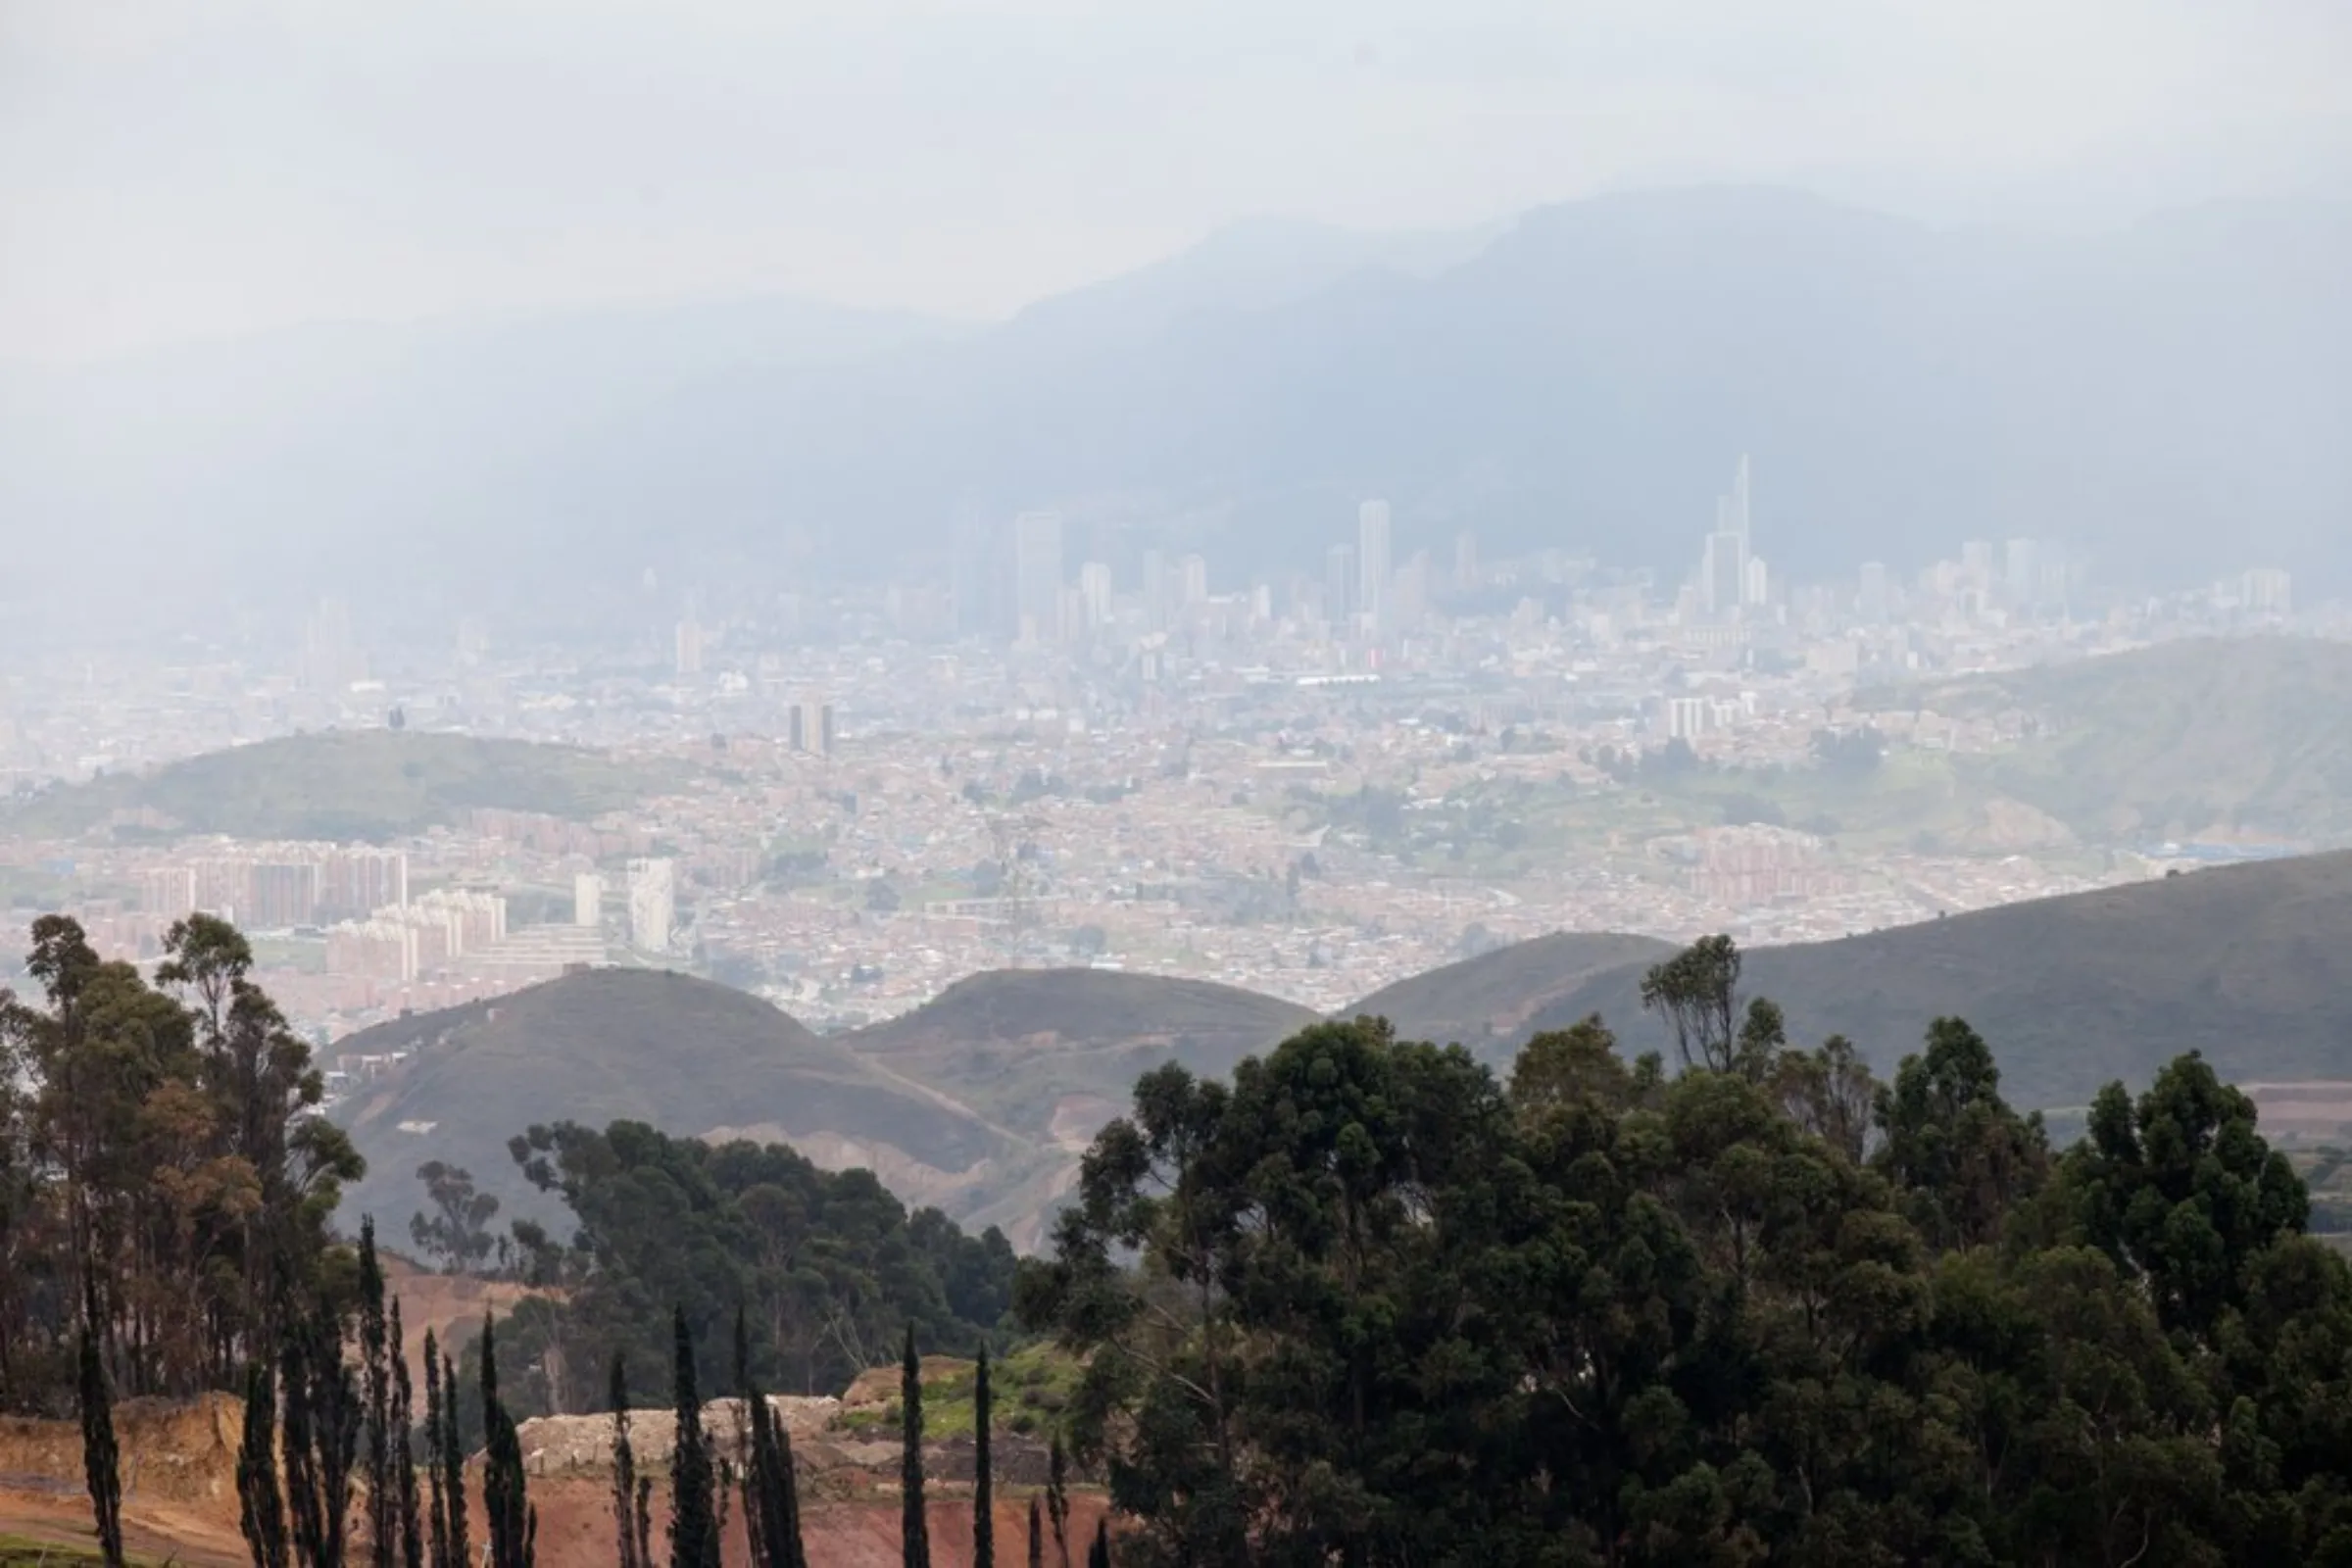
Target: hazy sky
{"x": 177, "y": 168}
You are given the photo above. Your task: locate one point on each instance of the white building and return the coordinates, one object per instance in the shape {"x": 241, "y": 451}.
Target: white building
{"x": 653, "y": 904}
{"x": 588, "y": 900}
{"x": 1094, "y": 594}
{"x": 2267, "y": 592}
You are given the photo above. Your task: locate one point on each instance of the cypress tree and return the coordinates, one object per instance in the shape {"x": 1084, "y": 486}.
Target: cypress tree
{"x": 261, "y": 1509}
{"x": 984, "y": 1499}
{"x": 99, "y": 1460}
{"x": 436, "y": 1503}
{"x": 787, "y": 1488}
{"x": 300, "y": 1451}
{"x": 693, "y": 1479}
{"x": 403, "y": 1450}
{"x": 323, "y": 1417}
{"x": 382, "y": 1502}
{"x": 770, "y": 1490}
{"x": 452, "y": 1460}
{"x": 1098, "y": 1554}
{"x": 1037, "y": 1533}
{"x": 504, "y": 1500}
{"x": 624, "y": 1468}
{"x": 914, "y": 1527}
{"x": 1057, "y": 1499}
{"x": 747, "y": 1444}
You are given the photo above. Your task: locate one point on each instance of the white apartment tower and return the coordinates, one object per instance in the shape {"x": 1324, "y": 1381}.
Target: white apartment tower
{"x": 653, "y": 905}
{"x": 1094, "y": 593}
{"x": 588, "y": 900}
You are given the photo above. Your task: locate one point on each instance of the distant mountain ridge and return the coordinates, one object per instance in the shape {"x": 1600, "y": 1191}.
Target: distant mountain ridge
{"x": 2166, "y": 396}
{"x": 2198, "y": 738}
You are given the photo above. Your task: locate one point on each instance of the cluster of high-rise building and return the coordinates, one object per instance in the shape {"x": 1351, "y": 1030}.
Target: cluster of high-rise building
{"x": 1732, "y": 576}
{"x": 426, "y": 936}
{"x": 275, "y": 887}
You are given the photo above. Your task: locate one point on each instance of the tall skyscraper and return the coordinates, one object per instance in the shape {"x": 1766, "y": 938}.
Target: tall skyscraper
{"x": 812, "y": 729}
{"x": 1196, "y": 578}
{"x": 1739, "y": 505}
{"x": 653, "y": 905}
{"x": 1372, "y": 563}
{"x": 1159, "y": 593}
{"x": 1723, "y": 573}
{"x": 1339, "y": 586}
{"x": 690, "y": 647}
{"x": 1725, "y": 582}
{"x": 1094, "y": 591}
{"x": 1037, "y": 575}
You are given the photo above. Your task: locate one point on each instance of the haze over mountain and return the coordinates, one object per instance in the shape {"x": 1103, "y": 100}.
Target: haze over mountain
{"x": 2164, "y": 396}
{"x": 688, "y": 1056}
{"x": 2072, "y": 993}
{"x": 981, "y": 1101}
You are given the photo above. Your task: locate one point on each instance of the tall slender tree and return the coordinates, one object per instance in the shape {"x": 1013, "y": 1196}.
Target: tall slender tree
{"x": 436, "y": 1501}
{"x": 260, "y": 1508}
{"x": 1037, "y": 1533}
{"x": 694, "y": 1538}
{"x": 452, "y": 1463}
{"x": 100, "y": 1462}
{"x": 1098, "y": 1554}
{"x": 1058, "y": 1498}
{"x": 914, "y": 1527}
{"x": 984, "y": 1492}
{"x": 383, "y": 1531}
{"x": 747, "y": 1442}
{"x": 403, "y": 1449}
{"x": 514, "y": 1524}
{"x": 625, "y": 1469}
{"x": 771, "y": 1492}
{"x": 324, "y": 1416}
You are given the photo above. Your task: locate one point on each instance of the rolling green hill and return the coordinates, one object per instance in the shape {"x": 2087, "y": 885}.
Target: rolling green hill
{"x": 1483, "y": 1000}
{"x": 686, "y": 1055}
{"x": 2245, "y": 964}
{"x": 1043, "y": 1051}
{"x": 347, "y": 784}
{"x": 981, "y": 1100}
{"x": 2211, "y": 737}
{"x": 1049, "y": 1056}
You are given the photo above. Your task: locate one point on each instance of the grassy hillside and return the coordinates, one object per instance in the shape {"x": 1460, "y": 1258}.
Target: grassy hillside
{"x": 2220, "y": 737}
{"x": 2244, "y": 963}
{"x": 348, "y": 784}
{"x": 1053, "y": 1054}
{"x": 688, "y": 1056}
{"x": 1490, "y": 998}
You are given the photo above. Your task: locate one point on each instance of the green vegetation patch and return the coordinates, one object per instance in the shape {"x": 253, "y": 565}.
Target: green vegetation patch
{"x": 370, "y": 785}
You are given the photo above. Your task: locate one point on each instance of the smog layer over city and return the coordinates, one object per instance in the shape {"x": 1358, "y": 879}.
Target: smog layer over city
{"x": 679, "y": 602}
